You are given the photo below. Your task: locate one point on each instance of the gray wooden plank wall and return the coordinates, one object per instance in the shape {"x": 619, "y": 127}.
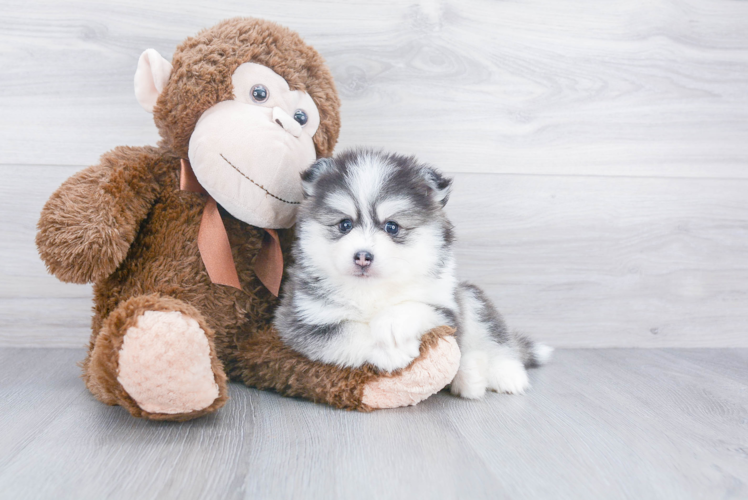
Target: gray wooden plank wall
{"x": 600, "y": 150}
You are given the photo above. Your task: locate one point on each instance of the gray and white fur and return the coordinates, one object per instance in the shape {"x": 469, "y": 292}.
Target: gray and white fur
{"x": 374, "y": 270}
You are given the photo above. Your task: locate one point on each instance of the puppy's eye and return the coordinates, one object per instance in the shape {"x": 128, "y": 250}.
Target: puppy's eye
{"x": 391, "y": 227}
{"x": 301, "y": 117}
{"x": 345, "y": 225}
{"x": 259, "y": 93}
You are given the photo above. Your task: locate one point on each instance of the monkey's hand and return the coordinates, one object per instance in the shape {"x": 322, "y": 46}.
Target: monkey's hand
{"x": 262, "y": 360}
{"x": 88, "y": 224}
{"x": 430, "y": 372}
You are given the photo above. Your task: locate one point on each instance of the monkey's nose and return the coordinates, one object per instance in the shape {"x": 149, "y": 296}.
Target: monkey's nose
{"x": 286, "y": 122}
{"x": 363, "y": 259}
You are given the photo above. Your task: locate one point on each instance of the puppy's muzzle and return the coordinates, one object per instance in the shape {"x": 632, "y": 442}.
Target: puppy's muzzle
{"x": 363, "y": 259}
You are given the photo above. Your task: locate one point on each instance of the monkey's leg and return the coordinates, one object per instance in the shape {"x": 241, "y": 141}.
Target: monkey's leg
{"x": 155, "y": 356}
{"x": 265, "y": 362}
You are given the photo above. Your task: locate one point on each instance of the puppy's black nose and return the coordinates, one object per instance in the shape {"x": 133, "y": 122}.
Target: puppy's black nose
{"x": 363, "y": 259}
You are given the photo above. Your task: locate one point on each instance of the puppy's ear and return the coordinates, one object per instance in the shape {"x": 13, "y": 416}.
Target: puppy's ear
{"x": 440, "y": 185}
{"x": 310, "y": 176}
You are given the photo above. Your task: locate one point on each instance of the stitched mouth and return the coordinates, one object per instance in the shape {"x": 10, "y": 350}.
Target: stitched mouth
{"x": 258, "y": 185}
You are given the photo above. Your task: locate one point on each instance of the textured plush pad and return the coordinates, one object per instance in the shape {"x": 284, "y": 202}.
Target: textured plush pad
{"x": 416, "y": 383}
{"x": 164, "y": 364}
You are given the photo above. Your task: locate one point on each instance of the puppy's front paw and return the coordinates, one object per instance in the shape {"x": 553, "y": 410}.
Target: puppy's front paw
{"x": 391, "y": 358}
{"x": 397, "y": 334}
{"x": 403, "y": 325}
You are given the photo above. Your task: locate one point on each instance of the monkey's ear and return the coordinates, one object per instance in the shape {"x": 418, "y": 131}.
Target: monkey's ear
{"x": 440, "y": 185}
{"x": 310, "y": 176}
{"x": 150, "y": 78}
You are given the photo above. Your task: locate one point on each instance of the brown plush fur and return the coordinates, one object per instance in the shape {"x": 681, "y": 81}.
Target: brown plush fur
{"x": 88, "y": 224}
{"x": 125, "y": 225}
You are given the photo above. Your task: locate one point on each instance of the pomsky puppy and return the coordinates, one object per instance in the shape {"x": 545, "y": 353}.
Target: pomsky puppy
{"x": 373, "y": 271}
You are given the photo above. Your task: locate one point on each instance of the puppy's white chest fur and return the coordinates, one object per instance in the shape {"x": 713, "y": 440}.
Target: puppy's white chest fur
{"x": 390, "y": 318}
{"x": 365, "y": 301}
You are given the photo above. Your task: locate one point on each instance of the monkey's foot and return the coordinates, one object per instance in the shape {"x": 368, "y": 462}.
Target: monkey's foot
{"x": 164, "y": 364}
{"x": 155, "y": 356}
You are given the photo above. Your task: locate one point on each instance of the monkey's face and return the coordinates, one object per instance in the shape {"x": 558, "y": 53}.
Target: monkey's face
{"x": 226, "y": 104}
{"x": 248, "y": 152}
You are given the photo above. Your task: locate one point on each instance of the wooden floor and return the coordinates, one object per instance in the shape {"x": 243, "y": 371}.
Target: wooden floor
{"x": 606, "y": 423}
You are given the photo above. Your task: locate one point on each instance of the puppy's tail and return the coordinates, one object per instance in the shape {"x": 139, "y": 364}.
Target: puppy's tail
{"x": 533, "y": 353}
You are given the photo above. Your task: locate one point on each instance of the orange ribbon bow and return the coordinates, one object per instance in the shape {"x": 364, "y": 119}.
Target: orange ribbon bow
{"x": 215, "y": 249}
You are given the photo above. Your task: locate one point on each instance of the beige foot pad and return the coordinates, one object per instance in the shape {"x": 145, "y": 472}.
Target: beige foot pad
{"x": 164, "y": 364}
{"x": 416, "y": 383}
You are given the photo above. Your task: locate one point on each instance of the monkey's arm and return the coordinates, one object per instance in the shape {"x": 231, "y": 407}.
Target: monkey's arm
{"x": 87, "y": 225}
{"x": 265, "y": 362}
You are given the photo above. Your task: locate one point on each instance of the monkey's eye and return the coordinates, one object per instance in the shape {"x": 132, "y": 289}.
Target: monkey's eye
{"x": 392, "y": 228}
{"x": 301, "y": 117}
{"x": 345, "y": 225}
{"x": 259, "y": 93}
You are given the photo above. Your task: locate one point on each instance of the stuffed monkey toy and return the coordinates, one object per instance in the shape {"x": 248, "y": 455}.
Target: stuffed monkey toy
{"x": 185, "y": 242}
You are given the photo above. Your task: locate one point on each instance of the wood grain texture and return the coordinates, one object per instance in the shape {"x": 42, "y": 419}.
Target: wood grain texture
{"x": 575, "y": 261}
{"x": 35, "y": 308}
{"x": 631, "y": 119}
{"x": 606, "y": 423}
{"x": 609, "y": 261}
{"x": 642, "y": 87}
